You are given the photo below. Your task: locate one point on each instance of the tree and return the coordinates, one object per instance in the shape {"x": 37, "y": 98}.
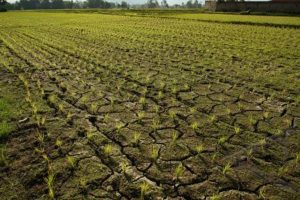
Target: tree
{"x": 196, "y": 4}
{"x": 124, "y": 4}
{"x": 57, "y": 4}
{"x": 189, "y": 4}
{"x": 152, "y": 4}
{"x": 164, "y": 4}
{"x": 45, "y": 4}
{"x": 2, "y": 5}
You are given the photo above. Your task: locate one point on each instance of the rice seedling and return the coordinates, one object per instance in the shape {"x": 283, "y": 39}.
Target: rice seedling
{"x": 140, "y": 116}
{"x": 212, "y": 118}
{"x": 144, "y": 188}
{"x": 172, "y": 115}
{"x": 3, "y": 157}
{"x": 52, "y": 99}
{"x": 83, "y": 184}
{"x": 228, "y": 111}
{"x": 186, "y": 86}
{"x": 214, "y": 197}
{"x": 136, "y": 138}
{"x": 155, "y": 124}
{"x": 58, "y": 143}
{"x": 157, "y": 108}
{"x": 237, "y": 130}
{"x": 195, "y": 126}
{"x": 199, "y": 149}
{"x": 71, "y": 161}
{"x": 266, "y": 115}
{"x": 119, "y": 126}
{"x": 90, "y": 135}
{"x": 154, "y": 153}
{"x": 193, "y": 110}
{"x": 93, "y": 108}
{"x": 278, "y": 132}
{"x": 252, "y": 121}
{"x": 297, "y": 157}
{"x": 142, "y": 101}
{"x": 61, "y": 108}
{"x": 50, "y": 180}
{"x": 174, "y": 138}
{"x": 179, "y": 171}
{"x": 106, "y": 118}
{"x": 222, "y": 140}
{"x": 282, "y": 171}
{"x": 160, "y": 95}
{"x": 40, "y": 136}
{"x": 107, "y": 150}
{"x": 262, "y": 193}
{"x": 227, "y": 168}
{"x": 5, "y": 129}
{"x": 123, "y": 167}
{"x": 288, "y": 122}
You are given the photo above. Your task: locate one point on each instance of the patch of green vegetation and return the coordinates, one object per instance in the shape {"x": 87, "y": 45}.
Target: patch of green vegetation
{"x": 7, "y": 111}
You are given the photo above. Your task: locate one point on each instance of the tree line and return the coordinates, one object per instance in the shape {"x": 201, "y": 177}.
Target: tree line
{"x": 70, "y": 4}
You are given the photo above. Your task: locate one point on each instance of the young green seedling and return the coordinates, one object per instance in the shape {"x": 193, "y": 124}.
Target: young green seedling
{"x": 227, "y": 168}
{"x": 199, "y": 149}
{"x": 58, "y": 143}
{"x": 297, "y": 157}
{"x": 93, "y": 108}
{"x": 123, "y": 167}
{"x": 179, "y": 171}
{"x": 237, "y": 130}
{"x": 195, "y": 126}
{"x": 107, "y": 149}
{"x": 50, "y": 181}
{"x": 222, "y": 140}
{"x": 136, "y": 138}
{"x": 154, "y": 153}
{"x": 214, "y": 197}
{"x": 119, "y": 126}
{"x": 144, "y": 187}
{"x": 71, "y": 161}
{"x": 174, "y": 138}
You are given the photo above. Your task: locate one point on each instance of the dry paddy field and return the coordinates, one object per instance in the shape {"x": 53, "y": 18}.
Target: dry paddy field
{"x": 117, "y": 106}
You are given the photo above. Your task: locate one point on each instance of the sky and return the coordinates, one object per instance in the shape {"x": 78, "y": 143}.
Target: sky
{"x": 171, "y": 2}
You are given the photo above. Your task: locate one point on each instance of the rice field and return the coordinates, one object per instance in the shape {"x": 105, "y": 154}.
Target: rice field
{"x": 117, "y": 106}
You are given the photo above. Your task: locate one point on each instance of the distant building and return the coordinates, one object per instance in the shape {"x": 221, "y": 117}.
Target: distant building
{"x": 277, "y": 6}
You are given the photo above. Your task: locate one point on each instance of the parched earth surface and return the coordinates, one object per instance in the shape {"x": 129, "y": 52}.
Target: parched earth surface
{"x": 118, "y": 107}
